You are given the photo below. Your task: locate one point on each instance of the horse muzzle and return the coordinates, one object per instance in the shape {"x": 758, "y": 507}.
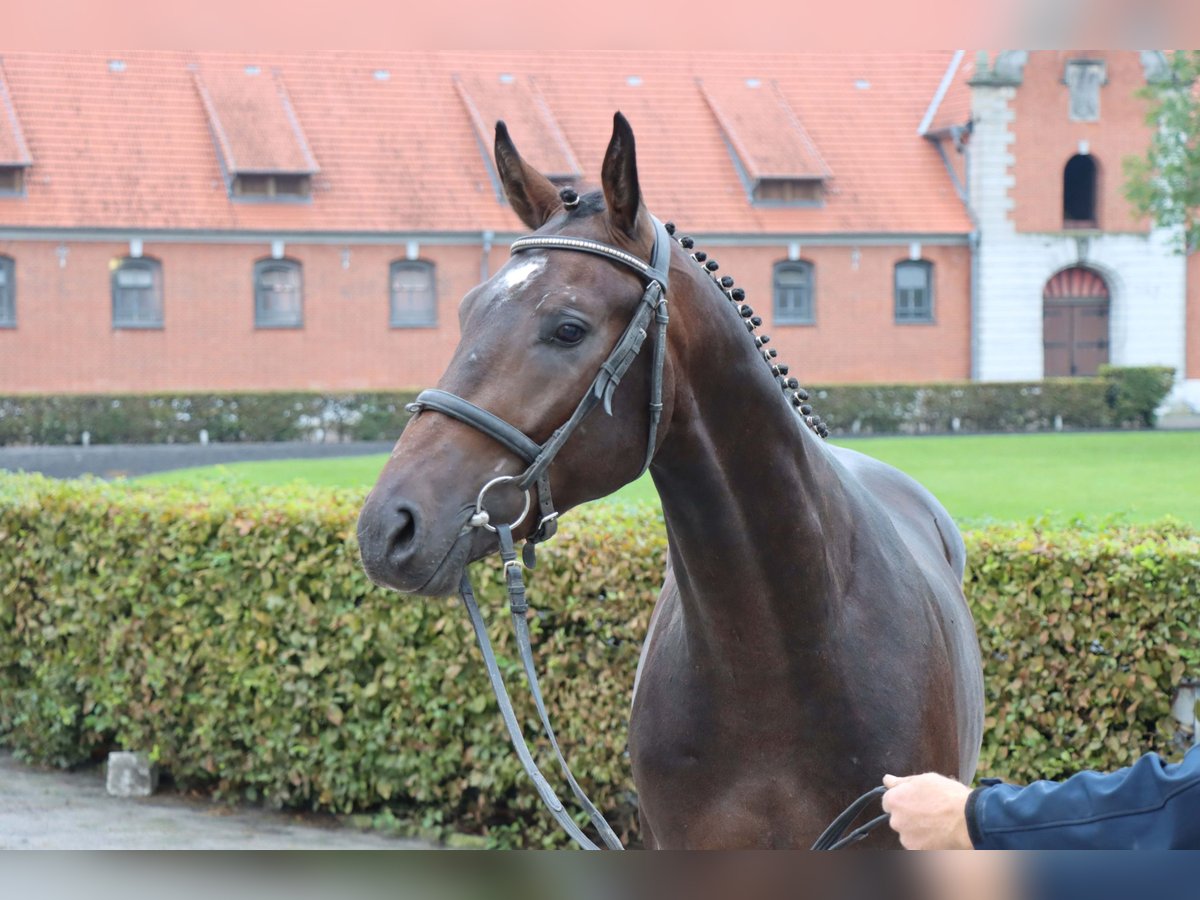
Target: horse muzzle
{"x": 406, "y": 549}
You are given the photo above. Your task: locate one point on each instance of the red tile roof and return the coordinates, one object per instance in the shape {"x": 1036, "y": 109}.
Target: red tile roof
{"x": 952, "y": 107}
{"x": 13, "y": 151}
{"x": 762, "y": 129}
{"x": 132, "y": 147}
{"x": 252, "y": 120}
{"x": 517, "y": 102}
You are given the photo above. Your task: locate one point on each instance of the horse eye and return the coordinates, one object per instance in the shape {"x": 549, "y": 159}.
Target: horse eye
{"x": 569, "y": 333}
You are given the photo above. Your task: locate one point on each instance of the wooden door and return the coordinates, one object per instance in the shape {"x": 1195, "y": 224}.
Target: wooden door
{"x": 1075, "y": 336}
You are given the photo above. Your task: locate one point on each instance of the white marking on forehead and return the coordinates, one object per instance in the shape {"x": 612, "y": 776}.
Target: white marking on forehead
{"x": 523, "y": 271}
{"x": 567, "y": 291}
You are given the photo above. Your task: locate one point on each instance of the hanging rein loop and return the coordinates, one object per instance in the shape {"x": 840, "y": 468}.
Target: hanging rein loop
{"x": 835, "y": 838}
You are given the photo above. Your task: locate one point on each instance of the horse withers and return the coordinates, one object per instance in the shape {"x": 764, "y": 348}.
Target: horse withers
{"x": 811, "y": 633}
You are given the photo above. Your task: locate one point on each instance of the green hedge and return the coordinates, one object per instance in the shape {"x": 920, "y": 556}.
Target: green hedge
{"x": 235, "y": 636}
{"x": 179, "y": 418}
{"x": 1119, "y": 398}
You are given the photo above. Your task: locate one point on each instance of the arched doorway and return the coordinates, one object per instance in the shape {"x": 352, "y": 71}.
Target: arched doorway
{"x": 1075, "y": 322}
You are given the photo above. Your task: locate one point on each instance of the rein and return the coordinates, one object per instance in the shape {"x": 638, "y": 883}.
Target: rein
{"x": 538, "y": 458}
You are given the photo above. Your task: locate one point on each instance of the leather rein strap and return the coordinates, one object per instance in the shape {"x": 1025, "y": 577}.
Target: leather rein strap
{"x": 538, "y": 458}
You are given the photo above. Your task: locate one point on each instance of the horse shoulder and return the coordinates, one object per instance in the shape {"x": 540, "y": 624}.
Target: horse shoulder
{"x": 918, "y": 517}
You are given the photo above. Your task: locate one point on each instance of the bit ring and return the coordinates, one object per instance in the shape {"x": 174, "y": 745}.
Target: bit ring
{"x": 481, "y": 517}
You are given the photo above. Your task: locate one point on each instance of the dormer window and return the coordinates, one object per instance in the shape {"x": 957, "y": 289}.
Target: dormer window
{"x": 797, "y": 191}
{"x": 282, "y": 187}
{"x": 14, "y": 152}
{"x": 771, "y": 151}
{"x": 261, "y": 146}
{"x": 12, "y": 180}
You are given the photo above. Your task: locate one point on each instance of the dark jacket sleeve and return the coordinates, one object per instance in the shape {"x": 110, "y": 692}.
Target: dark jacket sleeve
{"x": 1150, "y": 805}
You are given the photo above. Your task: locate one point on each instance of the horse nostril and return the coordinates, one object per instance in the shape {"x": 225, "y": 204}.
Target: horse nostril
{"x": 404, "y": 530}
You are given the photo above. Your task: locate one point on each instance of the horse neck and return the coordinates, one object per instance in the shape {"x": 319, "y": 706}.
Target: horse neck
{"x": 755, "y": 512}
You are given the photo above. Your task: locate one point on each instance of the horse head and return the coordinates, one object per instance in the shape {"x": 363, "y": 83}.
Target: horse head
{"x": 533, "y": 338}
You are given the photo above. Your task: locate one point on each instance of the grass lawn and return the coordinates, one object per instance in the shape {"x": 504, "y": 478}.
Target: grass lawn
{"x": 1130, "y": 476}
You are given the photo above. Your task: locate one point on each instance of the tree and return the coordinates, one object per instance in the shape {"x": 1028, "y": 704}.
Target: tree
{"x": 1165, "y": 183}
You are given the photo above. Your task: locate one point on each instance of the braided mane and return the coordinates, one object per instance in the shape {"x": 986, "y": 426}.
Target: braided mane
{"x": 791, "y": 387}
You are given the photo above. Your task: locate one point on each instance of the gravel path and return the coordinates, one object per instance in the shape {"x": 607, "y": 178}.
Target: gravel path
{"x": 112, "y": 461}
{"x": 54, "y": 810}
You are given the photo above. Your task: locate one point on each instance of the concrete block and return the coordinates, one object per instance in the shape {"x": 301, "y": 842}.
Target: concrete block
{"x": 131, "y": 775}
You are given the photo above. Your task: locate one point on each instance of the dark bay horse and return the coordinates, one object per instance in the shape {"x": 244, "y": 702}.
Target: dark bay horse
{"x": 811, "y": 633}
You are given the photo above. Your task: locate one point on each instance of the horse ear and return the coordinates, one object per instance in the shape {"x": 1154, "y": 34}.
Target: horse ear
{"x": 532, "y": 195}
{"x": 620, "y": 179}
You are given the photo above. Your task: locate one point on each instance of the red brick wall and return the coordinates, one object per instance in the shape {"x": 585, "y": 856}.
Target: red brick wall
{"x": 1045, "y": 138}
{"x": 856, "y": 338}
{"x": 65, "y": 343}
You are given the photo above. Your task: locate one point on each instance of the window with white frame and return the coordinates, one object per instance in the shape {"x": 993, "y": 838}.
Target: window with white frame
{"x": 8, "y": 305}
{"x": 914, "y": 291}
{"x": 278, "y": 294}
{"x": 793, "y": 291}
{"x": 137, "y": 293}
{"x": 413, "y": 291}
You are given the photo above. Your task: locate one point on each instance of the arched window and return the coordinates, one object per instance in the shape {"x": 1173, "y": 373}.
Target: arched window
{"x": 278, "y": 294}
{"x": 914, "y": 291}
{"x": 1079, "y": 192}
{"x": 137, "y": 295}
{"x": 413, "y": 291}
{"x": 8, "y": 286}
{"x": 793, "y": 290}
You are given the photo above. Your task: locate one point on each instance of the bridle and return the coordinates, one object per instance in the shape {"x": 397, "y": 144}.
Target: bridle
{"x": 538, "y": 458}
{"x": 653, "y": 305}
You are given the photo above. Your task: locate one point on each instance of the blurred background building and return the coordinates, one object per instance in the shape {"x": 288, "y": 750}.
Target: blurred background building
{"x": 184, "y": 222}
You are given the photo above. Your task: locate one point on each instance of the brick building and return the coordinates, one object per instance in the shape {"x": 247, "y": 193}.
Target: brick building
{"x": 179, "y": 221}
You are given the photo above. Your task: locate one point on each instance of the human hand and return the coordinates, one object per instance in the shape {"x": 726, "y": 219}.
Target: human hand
{"x": 928, "y": 811}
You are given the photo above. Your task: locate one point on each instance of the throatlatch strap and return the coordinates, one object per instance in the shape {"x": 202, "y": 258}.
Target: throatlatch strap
{"x": 510, "y": 721}
{"x": 518, "y": 606}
